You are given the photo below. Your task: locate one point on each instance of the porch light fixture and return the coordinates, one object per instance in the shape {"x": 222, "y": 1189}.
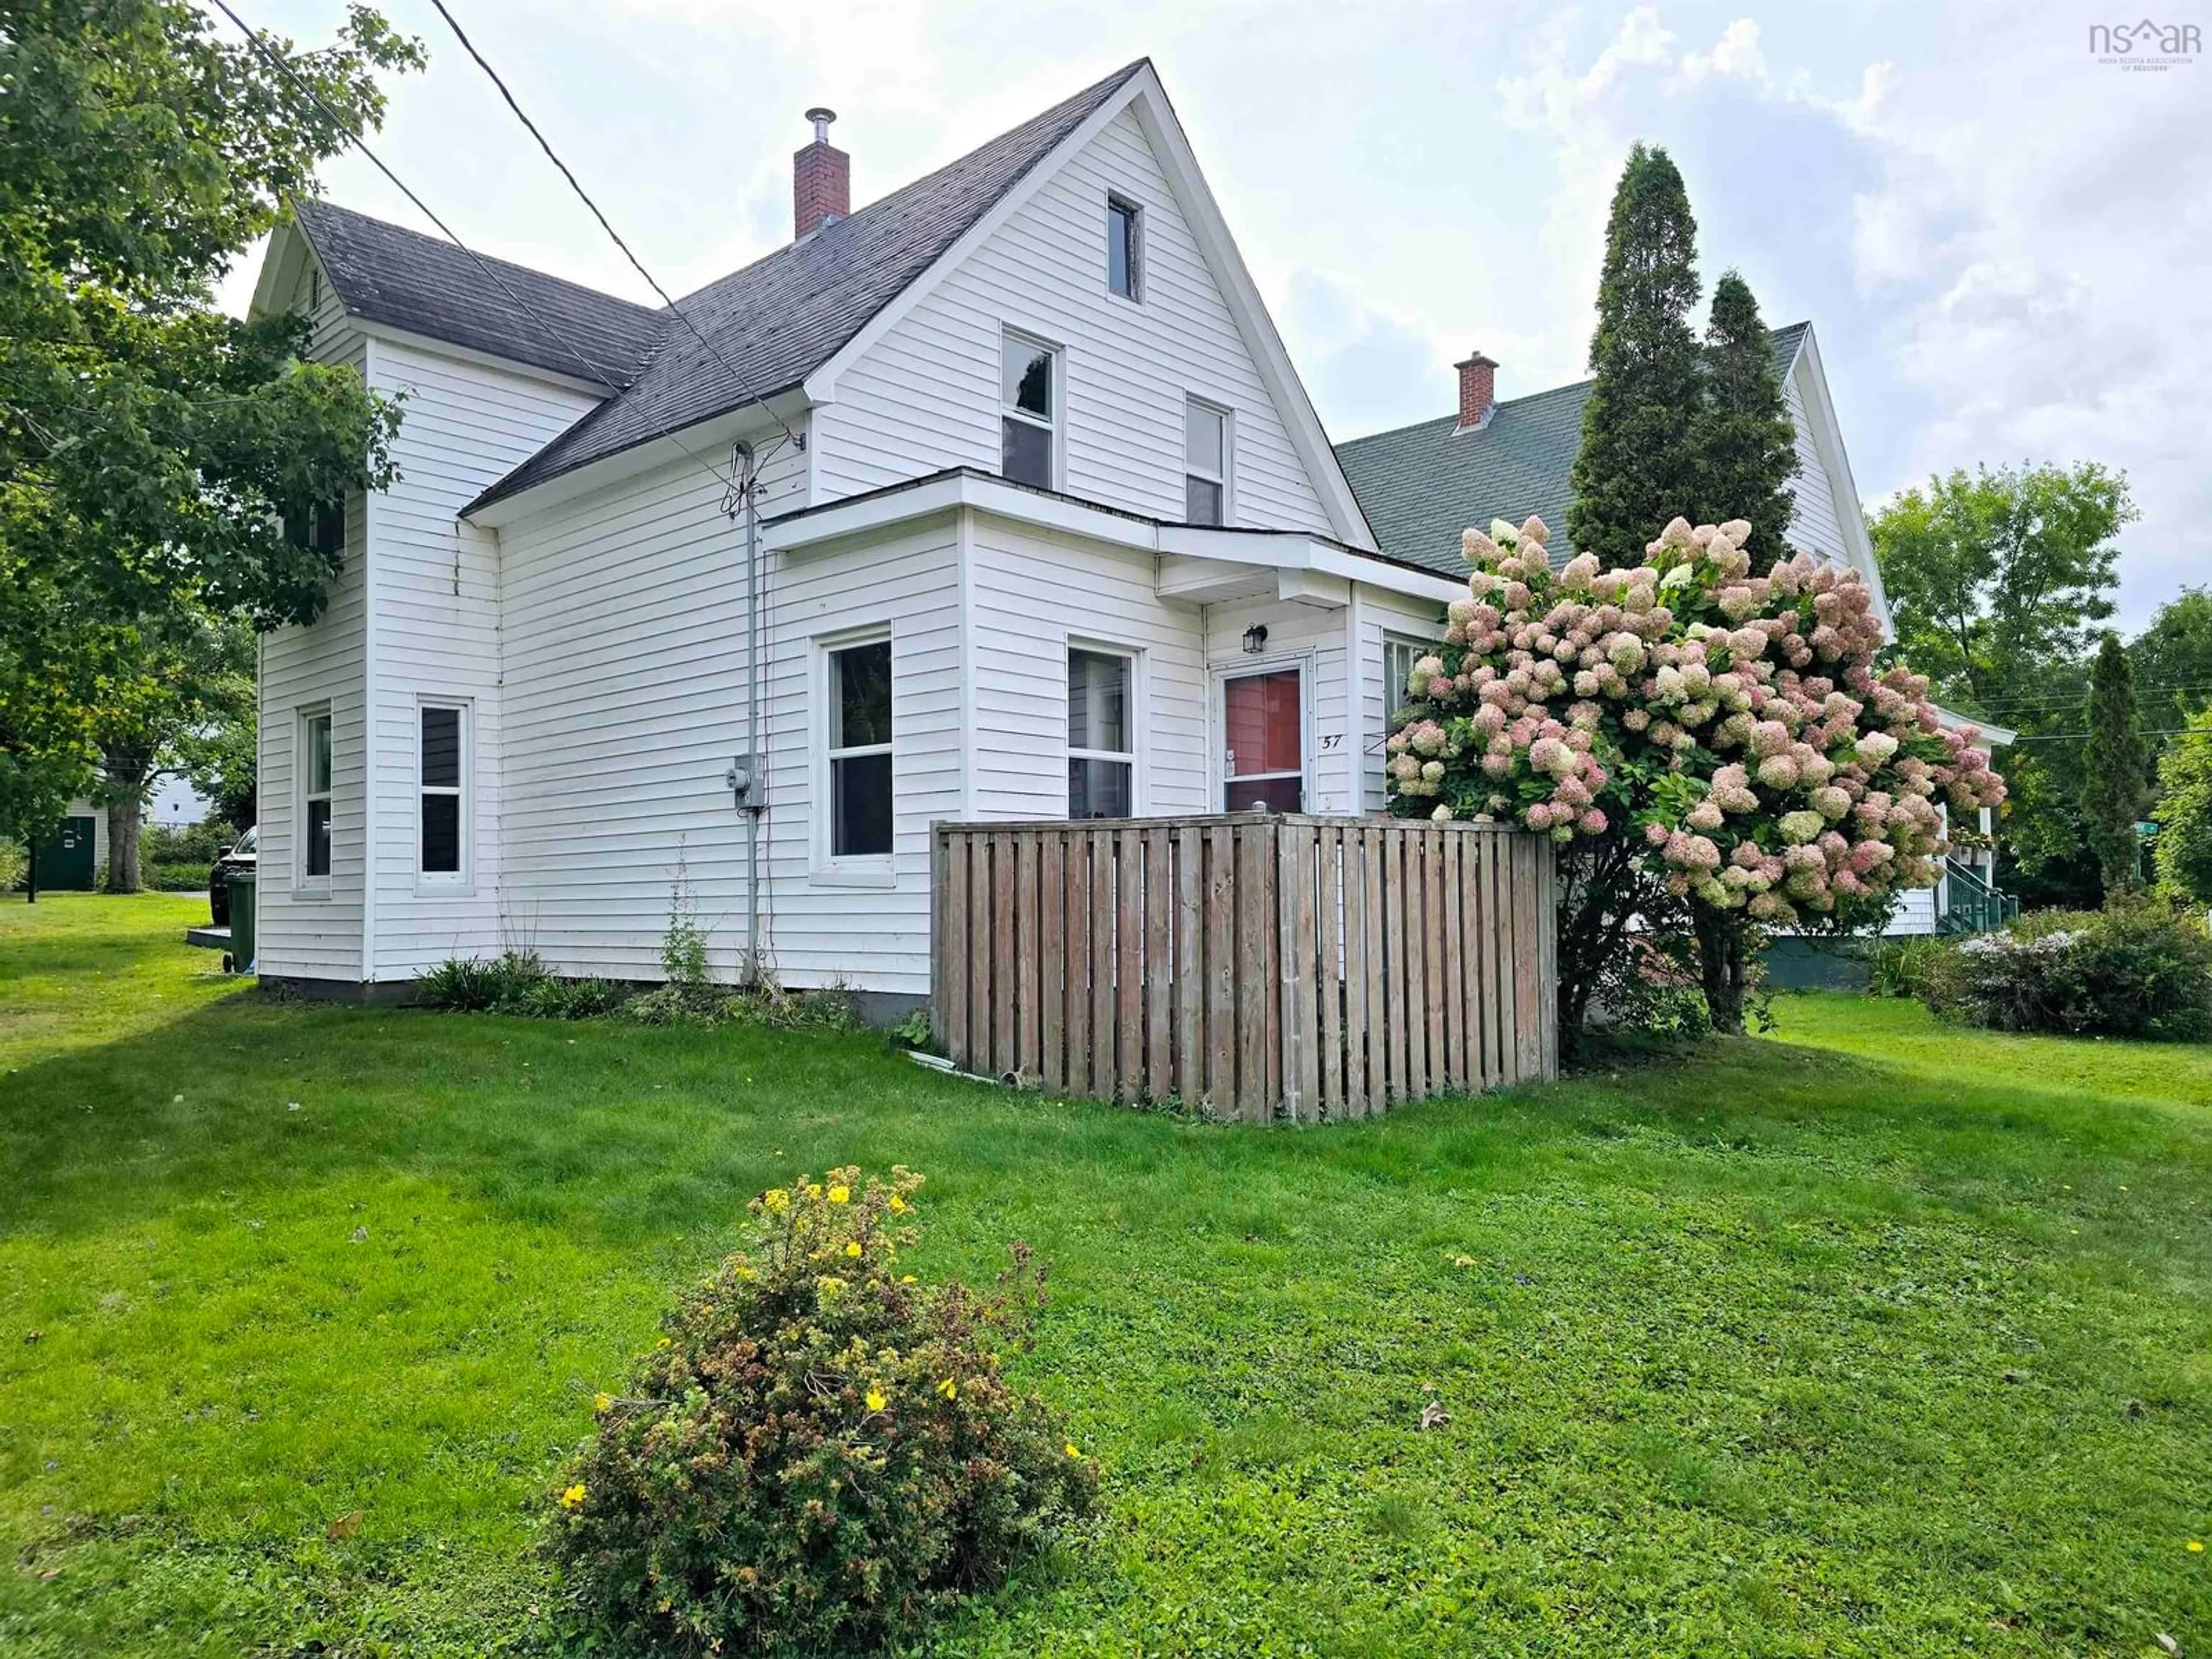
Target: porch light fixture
{"x": 1255, "y": 639}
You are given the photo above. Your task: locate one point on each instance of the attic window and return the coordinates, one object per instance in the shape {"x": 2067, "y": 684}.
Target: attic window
{"x": 1124, "y": 248}
{"x": 314, "y": 290}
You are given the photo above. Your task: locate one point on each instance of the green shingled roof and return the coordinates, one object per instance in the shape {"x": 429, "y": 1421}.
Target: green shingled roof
{"x": 1423, "y": 484}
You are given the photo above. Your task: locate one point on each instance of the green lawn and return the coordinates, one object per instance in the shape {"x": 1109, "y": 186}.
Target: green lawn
{"x": 1881, "y": 1340}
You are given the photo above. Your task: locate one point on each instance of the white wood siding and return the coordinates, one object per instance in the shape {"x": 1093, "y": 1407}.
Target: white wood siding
{"x": 926, "y": 396}
{"x": 1311, "y": 639}
{"x": 1813, "y": 526}
{"x": 1382, "y": 615}
{"x": 435, "y": 633}
{"x": 1024, "y": 625}
{"x": 624, "y": 704}
{"x": 302, "y": 934}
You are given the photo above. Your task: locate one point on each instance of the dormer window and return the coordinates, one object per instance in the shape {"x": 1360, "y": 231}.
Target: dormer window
{"x": 1030, "y": 411}
{"x": 1124, "y": 248}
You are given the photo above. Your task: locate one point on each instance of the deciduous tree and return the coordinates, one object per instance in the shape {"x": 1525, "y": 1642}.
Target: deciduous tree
{"x": 151, "y": 449}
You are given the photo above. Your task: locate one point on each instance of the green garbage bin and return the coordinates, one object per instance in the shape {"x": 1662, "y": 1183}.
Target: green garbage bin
{"x": 241, "y": 959}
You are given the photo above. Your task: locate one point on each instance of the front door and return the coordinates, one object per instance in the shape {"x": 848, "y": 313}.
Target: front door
{"x": 65, "y": 860}
{"x": 1263, "y": 726}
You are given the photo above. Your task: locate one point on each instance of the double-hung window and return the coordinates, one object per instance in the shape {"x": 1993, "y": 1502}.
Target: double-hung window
{"x": 1030, "y": 410}
{"x": 1205, "y": 463}
{"x": 314, "y": 854}
{"x": 1124, "y": 248}
{"x": 1399, "y": 656}
{"x": 860, "y": 697}
{"x": 1102, "y": 752}
{"x": 319, "y": 526}
{"x": 442, "y": 849}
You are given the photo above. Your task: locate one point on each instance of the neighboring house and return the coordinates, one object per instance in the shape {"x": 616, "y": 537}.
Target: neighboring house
{"x": 1050, "y": 528}
{"x": 1420, "y": 485}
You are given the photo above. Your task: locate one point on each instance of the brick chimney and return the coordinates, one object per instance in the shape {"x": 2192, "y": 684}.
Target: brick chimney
{"x": 821, "y": 180}
{"x": 1478, "y": 390}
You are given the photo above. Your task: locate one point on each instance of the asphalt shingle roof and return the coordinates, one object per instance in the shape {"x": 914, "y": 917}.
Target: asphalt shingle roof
{"x": 404, "y": 279}
{"x": 771, "y": 325}
{"x": 1421, "y": 485}
{"x": 782, "y": 318}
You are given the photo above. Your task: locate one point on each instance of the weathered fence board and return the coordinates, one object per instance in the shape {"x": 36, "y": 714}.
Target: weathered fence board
{"x": 1261, "y": 966}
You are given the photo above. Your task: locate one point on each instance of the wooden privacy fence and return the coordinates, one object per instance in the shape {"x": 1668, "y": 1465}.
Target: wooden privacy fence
{"x": 1257, "y": 965}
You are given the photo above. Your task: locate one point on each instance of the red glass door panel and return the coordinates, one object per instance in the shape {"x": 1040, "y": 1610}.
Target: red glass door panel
{"x": 1263, "y": 723}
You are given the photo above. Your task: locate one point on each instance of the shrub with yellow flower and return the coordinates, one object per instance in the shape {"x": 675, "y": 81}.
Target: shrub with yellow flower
{"x": 757, "y": 1491}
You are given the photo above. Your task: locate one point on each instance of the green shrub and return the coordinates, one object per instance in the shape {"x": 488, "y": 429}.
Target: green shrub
{"x": 480, "y": 984}
{"x": 174, "y": 878}
{"x": 571, "y": 999}
{"x": 818, "y": 1455}
{"x": 15, "y": 864}
{"x": 2137, "y": 969}
{"x": 1898, "y": 967}
{"x": 184, "y": 843}
{"x": 767, "y": 1006}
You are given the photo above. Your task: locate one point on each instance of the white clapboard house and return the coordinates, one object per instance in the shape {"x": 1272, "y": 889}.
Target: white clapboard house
{"x": 1049, "y": 527}
{"x": 1420, "y": 484}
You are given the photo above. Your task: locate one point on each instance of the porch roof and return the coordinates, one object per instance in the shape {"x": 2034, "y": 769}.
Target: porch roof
{"x": 1200, "y": 563}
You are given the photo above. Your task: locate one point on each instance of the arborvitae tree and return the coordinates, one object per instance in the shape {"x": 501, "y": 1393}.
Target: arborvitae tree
{"x": 2115, "y": 777}
{"x": 1747, "y": 448}
{"x": 1637, "y": 465}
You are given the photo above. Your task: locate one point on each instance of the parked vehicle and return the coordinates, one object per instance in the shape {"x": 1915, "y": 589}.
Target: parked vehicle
{"x": 240, "y": 856}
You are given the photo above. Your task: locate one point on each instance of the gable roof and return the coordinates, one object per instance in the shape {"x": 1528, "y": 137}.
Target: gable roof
{"x": 780, "y": 317}
{"x": 1421, "y": 485}
{"x": 404, "y": 279}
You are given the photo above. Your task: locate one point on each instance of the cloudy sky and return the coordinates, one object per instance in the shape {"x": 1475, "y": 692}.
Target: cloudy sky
{"x": 2004, "y": 243}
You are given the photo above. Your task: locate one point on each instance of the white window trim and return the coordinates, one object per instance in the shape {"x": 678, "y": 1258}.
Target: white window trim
{"x": 1057, "y": 426}
{"x": 1305, "y": 663}
{"x": 449, "y": 883}
{"x": 1135, "y": 210}
{"x": 1134, "y": 714}
{"x": 1393, "y": 691}
{"x": 316, "y": 886}
{"x": 869, "y": 870}
{"x": 1227, "y": 477}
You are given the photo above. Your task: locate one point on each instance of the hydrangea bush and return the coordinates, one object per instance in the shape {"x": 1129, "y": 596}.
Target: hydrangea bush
{"x": 820, "y": 1453}
{"x": 1730, "y": 727}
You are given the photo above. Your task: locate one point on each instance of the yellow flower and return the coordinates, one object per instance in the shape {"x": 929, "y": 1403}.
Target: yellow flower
{"x": 949, "y": 1388}
{"x": 778, "y": 1200}
{"x": 840, "y": 1194}
{"x": 814, "y": 1189}
{"x": 601, "y": 1402}
{"x": 2197, "y": 1547}
{"x": 875, "y": 1401}
{"x": 1069, "y": 1449}
{"x": 574, "y": 1498}
{"x": 853, "y": 1248}
{"x": 829, "y": 1286}
{"x": 906, "y": 1279}
{"x": 662, "y": 1343}
{"x": 898, "y": 1205}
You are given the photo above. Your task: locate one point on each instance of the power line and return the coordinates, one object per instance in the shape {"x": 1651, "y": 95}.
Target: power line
{"x": 736, "y": 374}
{"x": 278, "y": 62}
